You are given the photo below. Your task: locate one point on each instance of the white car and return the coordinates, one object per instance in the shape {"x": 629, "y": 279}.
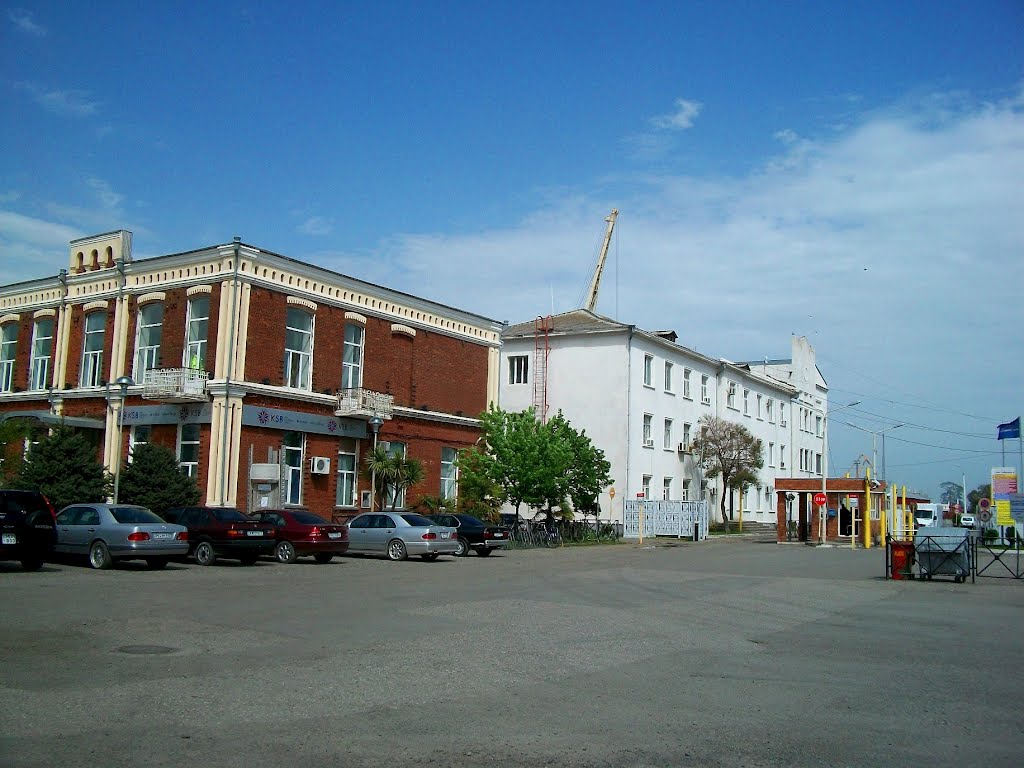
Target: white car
{"x": 968, "y": 521}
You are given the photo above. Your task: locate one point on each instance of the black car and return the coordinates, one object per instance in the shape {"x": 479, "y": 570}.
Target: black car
{"x": 28, "y": 530}
{"x": 223, "y": 532}
{"x": 474, "y": 533}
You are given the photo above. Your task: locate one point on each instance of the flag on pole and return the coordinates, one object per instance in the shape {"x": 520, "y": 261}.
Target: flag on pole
{"x": 1009, "y": 430}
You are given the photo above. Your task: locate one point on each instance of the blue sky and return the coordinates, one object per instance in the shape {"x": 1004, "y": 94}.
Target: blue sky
{"x": 848, "y": 172}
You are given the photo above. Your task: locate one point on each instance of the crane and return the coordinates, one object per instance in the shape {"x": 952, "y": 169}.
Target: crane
{"x": 595, "y": 281}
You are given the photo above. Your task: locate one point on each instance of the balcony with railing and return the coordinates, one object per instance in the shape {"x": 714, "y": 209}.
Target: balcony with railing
{"x": 174, "y": 385}
{"x": 364, "y": 403}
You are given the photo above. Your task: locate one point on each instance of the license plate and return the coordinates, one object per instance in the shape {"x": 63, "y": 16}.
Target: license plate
{"x": 334, "y": 535}
{"x": 444, "y": 534}
{"x": 10, "y": 538}
{"x": 254, "y": 533}
{"x": 163, "y": 535}
{"x": 499, "y": 535}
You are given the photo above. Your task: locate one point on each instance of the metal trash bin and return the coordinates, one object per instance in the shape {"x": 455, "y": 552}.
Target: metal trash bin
{"x": 943, "y": 551}
{"x": 901, "y": 554}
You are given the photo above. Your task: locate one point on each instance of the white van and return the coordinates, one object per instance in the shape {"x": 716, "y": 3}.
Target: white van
{"x": 929, "y": 514}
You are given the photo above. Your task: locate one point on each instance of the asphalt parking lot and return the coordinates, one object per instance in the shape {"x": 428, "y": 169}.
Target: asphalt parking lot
{"x": 725, "y": 653}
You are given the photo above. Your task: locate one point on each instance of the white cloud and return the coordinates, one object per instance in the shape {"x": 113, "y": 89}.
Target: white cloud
{"x": 32, "y": 247}
{"x": 316, "y": 225}
{"x": 23, "y": 20}
{"x": 682, "y": 118}
{"x": 73, "y": 103}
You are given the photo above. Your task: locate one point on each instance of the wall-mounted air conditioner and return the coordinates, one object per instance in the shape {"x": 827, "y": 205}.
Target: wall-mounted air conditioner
{"x": 683, "y": 448}
{"x": 320, "y": 465}
{"x": 648, "y": 443}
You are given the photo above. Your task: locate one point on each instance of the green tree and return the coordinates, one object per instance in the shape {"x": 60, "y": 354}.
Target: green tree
{"x": 950, "y": 493}
{"x": 155, "y": 481}
{"x": 979, "y": 493}
{"x": 479, "y": 494}
{"x": 728, "y": 450}
{"x": 588, "y": 473}
{"x": 64, "y": 467}
{"x": 391, "y": 474}
{"x": 13, "y": 433}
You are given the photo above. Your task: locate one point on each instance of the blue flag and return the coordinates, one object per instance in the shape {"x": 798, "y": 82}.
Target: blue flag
{"x": 1009, "y": 430}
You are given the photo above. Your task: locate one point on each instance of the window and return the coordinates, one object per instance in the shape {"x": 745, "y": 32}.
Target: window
{"x": 705, "y": 397}
{"x": 686, "y": 435}
{"x": 352, "y": 357}
{"x": 346, "y": 493}
{"x": 685, "y": 494}
{"x": 647, "y": 487}
{"x": 139, "y": 435}
{"x": 817, "y": 463}
{"x": 293, "y": 445}
{"x": 188, "y": 449}
{"x": 667, "y": 437}
{"x": 648, "y": 441}
{"x": 686, "y": 384}
{"x": 298, "y": 350}
{"x": 782, "y": 457}
{"x": 666, "y": 488}
{"x": 769, "y": 409}
{"x": 771, "y": 454}
{"x": 782, "y": 414}
{"x": 396, "y": 497}
{"x": 746, "y": 402}
{"x": 42, "y": 348}
{"x": 147, "y": 347}
{"x": 648, "y": 368}
{"x": 757, "y": 407}
{"x": 8, "y": 347}
{"x": 817, "y": 425}
{"x": 92, "y": 349}
{"x": 449, "y": 474}
{"x": 668, "y": 376}
{"x": 197, "y": 332}
{"x": 730, "y": 396}
{"x": 518, "y": 369}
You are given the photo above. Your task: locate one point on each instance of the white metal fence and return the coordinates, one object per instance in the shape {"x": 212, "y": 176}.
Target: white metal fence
{"x": 665, "y": 518}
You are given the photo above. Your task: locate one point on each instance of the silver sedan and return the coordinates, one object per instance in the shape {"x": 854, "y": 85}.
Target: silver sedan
{"x": 400, "y": 534}
{"x": 108, "y": 532}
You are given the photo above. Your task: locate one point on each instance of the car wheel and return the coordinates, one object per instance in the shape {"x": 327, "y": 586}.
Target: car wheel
{"x": 396, "y": 550}
{"x": 484, "y": 551}
{"x": 248, "y": 559}
{"x": 31, "y": 563}
{"x": 463, "y": 549}
{"x": 323, "y": 557}
{"x": 285, "y": 552}
{"x": 431, "y": 556}
{"x": 99, "y": 556}
{"x": 204, "y": 553}
{"x": 156, "y": 563}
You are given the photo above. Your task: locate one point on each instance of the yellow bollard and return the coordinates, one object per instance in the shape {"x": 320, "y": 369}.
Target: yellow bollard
{"x": 867, "y": 511}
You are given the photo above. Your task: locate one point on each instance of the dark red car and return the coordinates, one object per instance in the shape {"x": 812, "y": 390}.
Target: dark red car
{"x": 222, "y": 532}
{"x": 299, "y": 532}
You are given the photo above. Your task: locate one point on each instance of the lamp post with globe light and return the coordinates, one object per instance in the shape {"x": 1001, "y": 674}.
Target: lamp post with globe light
{"x": 123, "y": 382}
{"x": 376, "y": 422}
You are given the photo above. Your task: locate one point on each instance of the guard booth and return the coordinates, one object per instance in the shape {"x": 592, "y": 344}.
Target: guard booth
{"x": 850, "y": 504}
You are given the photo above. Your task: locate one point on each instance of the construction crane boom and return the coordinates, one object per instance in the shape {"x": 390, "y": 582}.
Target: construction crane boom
{"x": 595, "y": 281}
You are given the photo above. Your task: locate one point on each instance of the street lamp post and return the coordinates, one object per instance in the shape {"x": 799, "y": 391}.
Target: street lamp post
{"x": 123, "y": 382}
{"x": 375, "y": 424}
{"x": 824, "y": 469}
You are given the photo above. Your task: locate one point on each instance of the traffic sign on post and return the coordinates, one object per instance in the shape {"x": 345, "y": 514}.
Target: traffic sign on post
{"x": 820, "y": 499}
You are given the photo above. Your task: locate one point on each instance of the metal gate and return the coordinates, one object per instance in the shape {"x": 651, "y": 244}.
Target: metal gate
{"x": 683, "y": 519}
{"x": 994, "y": 559}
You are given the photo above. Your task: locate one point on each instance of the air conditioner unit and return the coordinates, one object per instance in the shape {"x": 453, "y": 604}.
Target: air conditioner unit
{"x": 683, "y": 448}
{"x": 706, "y": 400}
{"x": 648, "y": 443}
{"x": 320, "y": 465}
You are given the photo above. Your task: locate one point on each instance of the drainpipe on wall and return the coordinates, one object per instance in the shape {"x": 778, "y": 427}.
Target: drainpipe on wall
{"x": 629, "y": 416}
{"x": 228, "y": 375}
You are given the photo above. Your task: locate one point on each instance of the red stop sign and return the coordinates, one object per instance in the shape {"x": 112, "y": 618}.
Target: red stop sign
{"x": 820, "y": 499}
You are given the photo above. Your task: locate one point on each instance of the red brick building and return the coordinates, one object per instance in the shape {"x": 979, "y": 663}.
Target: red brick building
{"x": 266, "y": 375}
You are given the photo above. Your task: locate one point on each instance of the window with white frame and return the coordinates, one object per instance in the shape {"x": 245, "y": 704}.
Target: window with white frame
{"x": 668, "y": 376}
{"x": 197, "y": 331}
{"x": 730, "y": 395}
{"x": 685, "y": 491}
{"x": 648, "y": 440}
{"x": 817, "y": 463}
{"x": 771, "y": 454}
{"x": 449, "y": 474}
{"x": 757, "y": 407}
{"x": 687, "y": 374}
{"x": 42, "y": 349}
{"x": 8, "y": 350}
{"x": 396, "y": 496}
{"x": 352, "y": 357}
{"x": 92, "y": 350}
{"x": 518, "y": 369}
{"x": 705, "y": 396}
{"x": 667, "y": 436}
{"x": 746, "y": 402}
{"x": 666, "y": 489}
{"x": 817, "y": 425}
{"x": 346, "y": 493}
{"x": 646, "y": 490}
{"x": 188, "y": 449}
{"x": 648, "y": 370}
{"x": 686, "y": 435}
{"x": 138, "y": 436}
{"x": 782, "y": 414}
{"x": 148, "y": 338}
{"x": 293, "y": 450}
{"x": 782, "y": 457}
{"x": 298, "y": 350}
{"x": 770, "y": 410}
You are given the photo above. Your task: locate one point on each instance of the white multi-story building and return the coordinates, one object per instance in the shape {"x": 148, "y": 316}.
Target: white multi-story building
{"x": 640, "y": 396}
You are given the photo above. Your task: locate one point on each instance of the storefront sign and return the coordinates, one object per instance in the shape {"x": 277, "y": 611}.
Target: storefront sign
{"x": 295, "y": 421}
{"x": 168, "y": 414}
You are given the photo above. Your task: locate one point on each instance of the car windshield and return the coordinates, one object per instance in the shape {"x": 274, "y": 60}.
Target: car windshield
{"x": 475, "y": 522}
{"x": 308, "y": 518}
{"x": 418, "y": 520}
{"x": 229, "y": 515}
{"x": 134, "y": 515}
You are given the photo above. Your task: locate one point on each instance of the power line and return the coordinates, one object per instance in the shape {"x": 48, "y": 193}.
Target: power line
{"x": 935, "y": 408}
{"x": 940, "y": 461}
{"x": 917, "y": 426}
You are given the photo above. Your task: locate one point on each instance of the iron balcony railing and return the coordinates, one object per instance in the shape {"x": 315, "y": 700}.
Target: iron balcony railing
{"x": 364, "y": 403}
{"x": 174, "y": 384}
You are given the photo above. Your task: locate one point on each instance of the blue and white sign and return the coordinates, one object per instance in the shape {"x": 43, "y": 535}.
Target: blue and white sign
{"x": 186, "y": 413}
{"x": 296, "y": 421}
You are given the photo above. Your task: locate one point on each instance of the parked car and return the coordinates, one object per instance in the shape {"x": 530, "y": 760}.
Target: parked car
{"x": 299, "y": 532}
{"x": 400, "y": 534}
{"x": 28, "y": 532}
{"x": 223, "y": 532}
{"x": 474, "y": 533}
{"x": 108, "y": 532}
{"x": 968, "y": 521}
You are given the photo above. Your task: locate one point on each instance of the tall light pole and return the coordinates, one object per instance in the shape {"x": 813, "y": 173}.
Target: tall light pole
{"x": 824, "y": 468}
{"x": 123, "y": 382}
{"x": 375, "y": 424}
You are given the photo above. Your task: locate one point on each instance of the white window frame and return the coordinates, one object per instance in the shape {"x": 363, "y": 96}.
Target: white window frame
{"x": 782, "y": 456}
{"x": 770, "y": 410}
{"x": 817, "y": 426}
{"x": 91, "y": 374}
{"x": 147, "y": 355}
{"x": 730, "y": 395}
{"x": 782, "y": 414}
{"x": 746, "y": 401}
{"x": 687, "y": 435}
{"x": 666, "y": 488}
{"x": 686, "y": 384}
{"x": 39, "y": 367}
{"x": 518, "y": 369}
{"x": 645, "y": 488}
{"x": 348, "y": 463}
{"x": 704, "y": 396}
{"x": 298, "y": 363}
{"x": 771, "y": 454}
{"x": 449, "y": 488}
{"x": 667, "y": 436}
{"x": 135, "y": 440}
{"x": 757, "y": 406}
{"x": 648, "y": 441}
{"x": 684, "y": 491}
{"x": 194, "y": 354}
{"x": 190, "y": 466}
{"x": 8, "y": 354}
{"x": 292, "y": 457}
{"x": 817, "y": 463}
{"x": 668, "y": 376}
{"x": 649, "y": 371}
{"x": 352, "y": 356}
